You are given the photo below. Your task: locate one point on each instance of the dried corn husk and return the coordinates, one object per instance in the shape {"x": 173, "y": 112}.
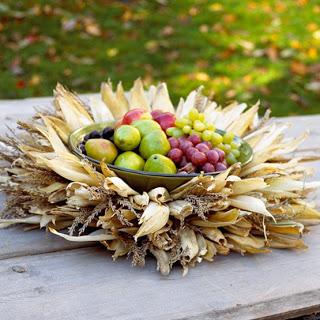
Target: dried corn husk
{"x": 247, "y": 185}
{"x": 100, "y": 111}
{"x": 119, "y": 186}
{"x": 140, "y": 201}
{"x": 72, "y": 108}
{"x": 137, "y": 97}
{"x": 98, "y": 235}
{"x": 161, "y": 99}
{"x": 251, "y": 204}
{"x": 218, "y": 219}
{"x": 180, "y": 209}
{"x": 118, "y": 246}
{"x": 163, "y": 262}
{"x": 154, "y": 217}
{"x": 120, "y": 95}
{"x": 244, "y": 209}
{"x": 159, "y": 195}
{"x": 113, "y": 103}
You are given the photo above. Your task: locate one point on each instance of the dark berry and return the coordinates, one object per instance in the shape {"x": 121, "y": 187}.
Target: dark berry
{"x": 86, "y": 137}
{"x": 107, "y": 133}
{"x": 94, "y": 135}
{"x": 82, "y": 148}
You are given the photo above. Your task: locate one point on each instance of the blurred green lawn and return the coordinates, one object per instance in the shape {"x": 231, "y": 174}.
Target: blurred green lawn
{"x": 239, "y": 50}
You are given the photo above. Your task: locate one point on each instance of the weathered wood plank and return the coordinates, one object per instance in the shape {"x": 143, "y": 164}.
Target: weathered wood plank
{"x": 88, "y": 284}
{"x": 14, "y": 242}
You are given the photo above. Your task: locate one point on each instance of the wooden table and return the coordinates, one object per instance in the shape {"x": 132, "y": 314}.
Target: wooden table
{"x": 45, "y": 277}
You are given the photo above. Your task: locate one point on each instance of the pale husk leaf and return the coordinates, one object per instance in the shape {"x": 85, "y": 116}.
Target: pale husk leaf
{"x": 154, "y": 217}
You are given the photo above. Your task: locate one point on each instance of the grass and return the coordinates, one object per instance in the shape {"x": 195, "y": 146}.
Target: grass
{"x": 239, "y": 50}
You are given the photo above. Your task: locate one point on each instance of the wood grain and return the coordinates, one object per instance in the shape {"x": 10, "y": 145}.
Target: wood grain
{"x": 87, "y": 283}
{"x": 15, "y": 242}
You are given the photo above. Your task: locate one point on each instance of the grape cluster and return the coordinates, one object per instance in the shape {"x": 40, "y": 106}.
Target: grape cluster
{"x": 195, "y": 125}
{"x": 192, "y": 155}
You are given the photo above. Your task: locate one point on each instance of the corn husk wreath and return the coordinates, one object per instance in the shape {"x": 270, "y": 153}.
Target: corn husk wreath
{"x": 247, "y": 209}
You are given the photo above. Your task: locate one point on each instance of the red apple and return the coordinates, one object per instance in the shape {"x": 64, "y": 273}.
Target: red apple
{"x": 132, "y": 115}
{"x": 166, "y": 120}
{"x": 156, "y": 113}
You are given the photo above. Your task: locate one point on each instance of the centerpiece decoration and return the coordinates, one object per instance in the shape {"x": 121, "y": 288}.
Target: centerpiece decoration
{"x": 131, "y": 171}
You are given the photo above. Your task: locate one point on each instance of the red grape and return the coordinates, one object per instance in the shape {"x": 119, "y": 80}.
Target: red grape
{"x": 220, "y": 166}
{"x": 202, "y": 147}
{"x": 208, "y": 144}
{"x": 213, "y": 156}
{"x": 182, "y": 139}
{"x": 208, "y": 167}
{"x": 175, "y": 155}
{"x": 198, "y": 158}
{"x": 221, "y": 154}
{"x": 185, "y": 145}
{"x": 174, "y": 143}
{"x": 190, "y": 151}
{"x": 194, "y": 139}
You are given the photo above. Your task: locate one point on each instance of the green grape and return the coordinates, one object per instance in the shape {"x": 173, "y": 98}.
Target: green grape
{"x": 216, "y": 138}
{"x": 188, "y": 121}
{"x": 198, "y": 125}
{"x": 193, "y": 114}
{"x": 225, "y": 147}
{"x": 231, "y": 159}
{"x": 228, "y": 137}
{"x": 201, "y": 116}
{"x": 220, "y": 146}
{"x": 195, "y": 132}
{"x": 170, "y": 131}
{"x": 235, "y": 145}
{"x": 235, "y": 152}
{"x": 210, "y": 126}
{"x": 206, "y": 135}
{"x": 186, "y": 129}
{"x": 180, "y": 123}
{"x": 177, "y": 133}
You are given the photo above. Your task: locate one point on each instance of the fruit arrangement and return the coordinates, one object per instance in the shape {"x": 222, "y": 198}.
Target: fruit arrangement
{"x": 159, "y": 142}
{"x": 247, "y": 208}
